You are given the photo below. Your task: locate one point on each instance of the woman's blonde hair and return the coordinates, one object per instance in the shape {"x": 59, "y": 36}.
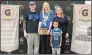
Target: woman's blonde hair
{"x": 48, "y": 6}
{"x": 62, "y": 14}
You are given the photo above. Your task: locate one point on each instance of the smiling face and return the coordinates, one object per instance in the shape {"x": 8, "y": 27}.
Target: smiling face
{"x": 46, "y": 6}
{"x": 55, "y": 24}
{"x": 32, "y": 6}
{"x": 58, "y": 11}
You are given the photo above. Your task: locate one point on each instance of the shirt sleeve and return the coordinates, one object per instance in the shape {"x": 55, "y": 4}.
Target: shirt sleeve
{"x": 52, "y": 16}
{"x": 40, "y": 17}
{"x": 25, "y": 15}
{"x": 66, "y": 24}
{"x": 61, "y": 32}
{"x": 25, "y": 21}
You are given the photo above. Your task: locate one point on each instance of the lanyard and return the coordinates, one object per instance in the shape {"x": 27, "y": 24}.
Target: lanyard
{"x": 45, "y": 17}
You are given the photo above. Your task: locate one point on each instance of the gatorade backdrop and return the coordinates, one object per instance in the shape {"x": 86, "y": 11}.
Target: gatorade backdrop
{"x": 9, "y": 27}
{"x": 81, "y": 35}
{"x": 68, "y": 11}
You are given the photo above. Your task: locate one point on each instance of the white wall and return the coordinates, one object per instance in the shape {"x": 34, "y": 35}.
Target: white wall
{"x": 87, "y": 2}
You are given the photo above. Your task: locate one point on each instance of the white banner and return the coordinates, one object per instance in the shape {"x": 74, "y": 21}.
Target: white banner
{"x": 9, "y": 27}
{"x": 81, "y": 36}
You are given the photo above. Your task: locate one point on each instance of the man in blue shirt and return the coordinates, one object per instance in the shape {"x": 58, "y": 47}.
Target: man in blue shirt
{"x": 30, "y": 26}
{"x": 56, "y": 38}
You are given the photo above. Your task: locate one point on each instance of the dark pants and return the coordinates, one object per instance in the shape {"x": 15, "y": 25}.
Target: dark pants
{"x": 45, "y": 44}
{"x": 63, "y": 43}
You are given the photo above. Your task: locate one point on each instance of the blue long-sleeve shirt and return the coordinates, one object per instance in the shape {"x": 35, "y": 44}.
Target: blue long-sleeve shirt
{"x": 50, "y": 19}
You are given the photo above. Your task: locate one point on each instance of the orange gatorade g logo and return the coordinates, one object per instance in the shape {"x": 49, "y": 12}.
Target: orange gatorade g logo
{"x": 85, "y": 13}
{"x": 8, "y": 12}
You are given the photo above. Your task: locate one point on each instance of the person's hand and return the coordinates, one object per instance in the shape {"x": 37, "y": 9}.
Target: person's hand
{"x": 25, "y": 35}
{"x": 60, "y": 45}
{"x": 48, "y": 32}
{"x": 67, "y": 35}
{"x": 38, "y": 31}
{"x": 51, "y": 45}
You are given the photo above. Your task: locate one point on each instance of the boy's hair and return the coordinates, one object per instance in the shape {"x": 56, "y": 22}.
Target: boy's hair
{"x": 55, "y": 21}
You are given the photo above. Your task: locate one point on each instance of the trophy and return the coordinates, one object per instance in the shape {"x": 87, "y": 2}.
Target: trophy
{"x": 43, "y": 31}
